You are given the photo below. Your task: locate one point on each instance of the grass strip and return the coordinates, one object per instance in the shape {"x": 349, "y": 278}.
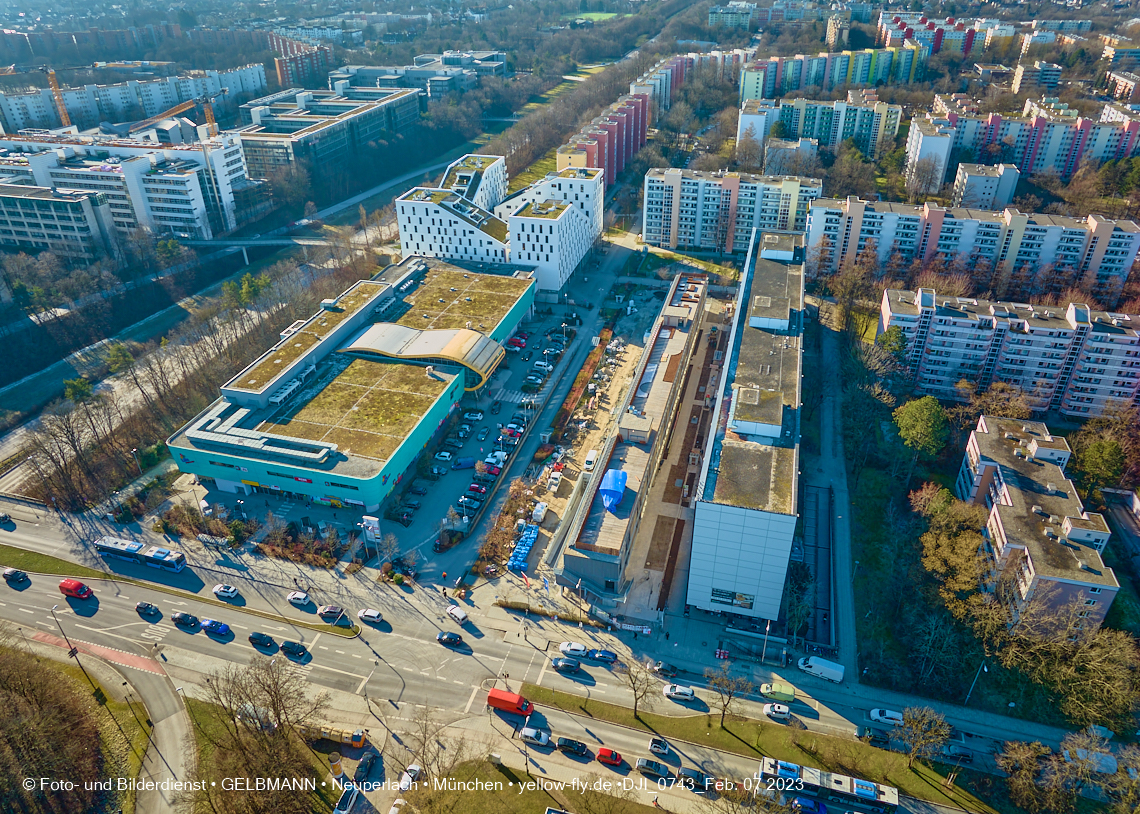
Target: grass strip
{"x": 757, "y": 739}
{"x": 46, "y": 565}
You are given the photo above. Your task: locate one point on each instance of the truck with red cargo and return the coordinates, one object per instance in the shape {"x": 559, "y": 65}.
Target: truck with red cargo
{"x": 509, "y": 702}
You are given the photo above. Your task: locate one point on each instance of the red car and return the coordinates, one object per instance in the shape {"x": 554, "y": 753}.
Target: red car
{"x": 509, "y": 432}
{"x": 516, "y": 342}
{"x": 522, "y": 335}
{"x": 477, "y": 488}
{"x": 493, "y": 470}
{"x": 609, "y": 757}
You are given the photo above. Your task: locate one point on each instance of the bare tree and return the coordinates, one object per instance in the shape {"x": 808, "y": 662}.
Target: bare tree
{"x": 1123, "y": 788}
{"x": 388, "y": 547}
{"x": 640, "y": 682}
{"x": 923, "y": 178}
{"x": 727, "y": 687}
{"x": 283, "y": 692}
{"x": 924, "y": 731}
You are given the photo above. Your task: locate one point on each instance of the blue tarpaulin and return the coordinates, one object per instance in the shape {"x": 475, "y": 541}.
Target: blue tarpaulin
{"x": 613, "y": 488}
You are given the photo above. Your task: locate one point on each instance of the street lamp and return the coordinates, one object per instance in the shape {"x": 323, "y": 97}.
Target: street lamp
{"x": 563, "y": 332}
{"x": 72, "y": 652}
{"x": 982, "y": 668}
{"x": 135, "y": 455}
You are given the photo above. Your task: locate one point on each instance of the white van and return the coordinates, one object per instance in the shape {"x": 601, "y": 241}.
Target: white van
{"x": 543, "y": 366}
{"x": 822, "y": 668}
{"x": 457, "y": 613}
{"x": 591, "y": 461}
{"x": 539, "y": 513}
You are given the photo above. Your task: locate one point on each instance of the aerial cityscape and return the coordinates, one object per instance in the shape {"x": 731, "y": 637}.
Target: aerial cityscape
{"x": 570, "y": 407}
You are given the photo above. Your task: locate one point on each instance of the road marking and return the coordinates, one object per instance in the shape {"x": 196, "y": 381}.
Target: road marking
{"x": 542, "y": 672}
{"x": 356, "y": 655}
{"x": 239, "y": 627}
{"x": 474, "y": 691}
{"x": 314, "y": 641}
{"x": 25, "y": 610}
{"x": 337, "y": 651}
{"x": 456, "y": 682}
{"x": 322, "y": 647}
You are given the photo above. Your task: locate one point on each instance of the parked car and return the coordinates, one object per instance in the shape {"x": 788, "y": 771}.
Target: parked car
{"x": 572, "y": 649}
{"x": 414, "y": 505}
{"x": 403, "y": 518}
{"x": 364, "y": 768}
{"x": 572, "y": 746}
{"x": 493, "y": 469}
{"x": 605, "y": 656}
{"x": 609, "y": 757}
{"x": 659, "y": 746}
{"x": 464, "y": 430}
{"x": 184, "y": 619}
{"x": 483, "y": 433}
{"x": 661, "y": 668}
{"x": 261, "y": 639}
{"x": 535, "y": 380}
{"x": 957, "y": 753}
{"x": 453, "y": 444}
{"x": 694, "y": 780}
{"x": 14, "y": 575}
{"x": 473, "y": 415}
{"x": 215, "y": 627}
{"x": 411, "y": 775}
{"x": 443, "y": 455}
{"x": 295, "y": 649}
{"x": 330, "y": 611}
{"x": 299, "y": 598}
{"x": 535, "y": 737}
{"x": 484, "y": 478}
{"x": 565, "y": 665}
{"x": 347, "y": 799}
{"x": 651, "y": 768}
{"x": 477, "y": 488}
{"x": 468, "y": 501}
{"x": 370, "y": 615}
{"x": 419, "y": 491}
{"x": 223, "y": 591}
{"x": 806, "y": 805}
{"x": 886, "y": 716}
{"x": 876, "y": 737}
{"x": 779, "y": 712}
{"x": 677, "y": 692}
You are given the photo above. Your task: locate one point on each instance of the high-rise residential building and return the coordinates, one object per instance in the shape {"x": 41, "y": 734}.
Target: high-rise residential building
{"x": 757, "y": 116}
{"x": 733, "y": 15}
{"x": 610, "y": 141}
{"x": 1062, "y": 25}
{"x": 956, "y": 36}
{"x": 300, "y": 64}
{"x": 1121, "y": 53}
{"x": 1098, "y": 252}
{"x": 838, "y": 32}
{"x": 1049, "y": 137}
{"x": 746, "y": 496}
{"x": 324, "y": 128}
{"x": 718, "y": 211}
{"x": 872, "y": 126}
{"x": 197, "y": 191}
{"x": 1124, "y": 86}
{"x": 1032, "y": 38}
{"x": 134, "y": 100}
{"x": 1041, "y": 543}
{"x": 1071, "y": 359}
{"x": 776, "y": 76}
{"x": 1039, "y": 75}
{"x": 548, "y": 226}
{"x": 977, "y": 186}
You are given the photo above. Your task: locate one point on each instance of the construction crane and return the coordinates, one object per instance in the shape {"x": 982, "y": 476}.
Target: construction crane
{"x": 206, "y": 102}
{"x": 58, "y": 95}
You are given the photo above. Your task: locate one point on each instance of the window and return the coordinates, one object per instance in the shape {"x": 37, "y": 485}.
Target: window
{"x": 1090, "y": 602}
{"x": 1094, "y": 590}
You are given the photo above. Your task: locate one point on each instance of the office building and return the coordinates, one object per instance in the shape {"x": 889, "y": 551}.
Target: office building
{"x": 607, "y": 538}
{"x": 1049, "y": 137}
{"x": 838, "y": 32}
{"x": 1038, "y": 76}
{"x": 1099, "y": 251}
{"x": 325, "y": 128}
{"x": 1069, "y": 359}
{"x": 1041, "y": 542}
{"x": 437, "y": 74}
{"x": 340, "y": 410}
{"x": 76, "y": 226}
{"x": 301, "y": 63}
{"x": 777, "y": 76}
{"x": 746, "y": 508}
{"x": 548, "y": 227}
{"x": 1124, "y": 86}
{"x": 873, "y": 126}
{"x": 717, "y": 211}
{"x": 127, "y": 101}
{"x": 977, "y": 186}
{"x": 197, "y": 191}
{"x": 733, "y": 15}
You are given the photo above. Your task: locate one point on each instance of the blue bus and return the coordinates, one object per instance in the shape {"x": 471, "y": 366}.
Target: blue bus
{"x": 849, "y": 793}
{"x": 152, "y": 555}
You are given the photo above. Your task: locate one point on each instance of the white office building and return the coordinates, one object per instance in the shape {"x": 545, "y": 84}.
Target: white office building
{"x": 582, "y": 187}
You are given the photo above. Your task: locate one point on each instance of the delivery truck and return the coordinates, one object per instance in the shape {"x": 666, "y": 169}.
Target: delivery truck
{"x": 822, "y": 667}
{"x": 784, "y": 693}
{"x": 509, "y": 702}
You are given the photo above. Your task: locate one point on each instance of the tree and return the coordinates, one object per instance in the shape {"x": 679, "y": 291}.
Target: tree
{"x": 798, "y": 597}
{"x": 639, "y": 681}
{"x": 1022, "y": 763}
{"x": 924, "y": 732}
{"x": 748, "y": 149}
{"x": 923, "y": 178}
{"x": 274, "y": 685}
{"x": 1123, "y": 788}
{"x": 923, "y": 427}
{"x": 893, "y": 341}
{"x": 1101, "y": 463}
{"x": 388, "y": 547}
{"x": 1000, "y": 399}
{"x": 851, "y": 174}
{"x": 727, "y": 687}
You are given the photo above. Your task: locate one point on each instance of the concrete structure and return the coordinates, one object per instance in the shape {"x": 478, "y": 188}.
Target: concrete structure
{"x": 838, "y": 32}
{"x": 956, "y": 36}
{"x": 872, "y": 126}
{"x": 197, "y": 191}
{"x": 977, "y": 186}
{"x": 1124, "y": 86}
{"x": 1043, "y": 544}
{"x": 733, "y": 15}
{"x": 322, "y": 127}
{"x": 300, "y": 63}
{"x": 1049, "y": 137}
{"x": 127, "y": 101}
{"x": 1072, "y": 359}
{"x": 1099, "y": 252}
{"x": 776, "y": 76}
{"x": 437, "y": 74}
{"x": 596, "y": 558}
{"x": 988, "y": 72}
{"x": 548, "y": 227}
{"x": 746, "y": 494}
{"x": 718, "y": 211}
{"x": 1039, "y": 75}
{"x": 76, "y": 226}
{"x": 783, "y": 157}
{"x": 339, "y": 411}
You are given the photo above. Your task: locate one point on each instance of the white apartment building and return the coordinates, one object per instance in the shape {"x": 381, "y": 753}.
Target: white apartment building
{"x": 1043, "y": 75}
{"x": 718, "y": 210}
{"x": 1038, "y": 535}
{"x": 193, "y": 191}
{"x": 1073, "y": 360}
{"x": 127, "y": 101}
{"x": 549, "y": 226}
{"x": 977, "y": 186}
{"x": 758, "y": 115}
{"x": 1048, "y": 137}
{"x": 1100, "y": 250}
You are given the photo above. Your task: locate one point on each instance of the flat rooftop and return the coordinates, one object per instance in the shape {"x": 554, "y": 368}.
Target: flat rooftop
{"x": 551, "y": 210}
{"x": 449, "y": 297}
{"x": 42, "y": 193}
{"x": 1041, "y": 497}
{"x": 471, "y": 163}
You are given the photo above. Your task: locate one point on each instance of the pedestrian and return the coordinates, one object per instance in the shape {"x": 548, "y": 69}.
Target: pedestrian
{"x": 666, "y": 636}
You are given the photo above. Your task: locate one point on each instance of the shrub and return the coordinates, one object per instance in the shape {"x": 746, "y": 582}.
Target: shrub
{"x": 398, "y": 579}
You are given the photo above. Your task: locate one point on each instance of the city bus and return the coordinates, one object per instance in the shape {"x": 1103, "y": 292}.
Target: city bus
{"x": 131, "y": 551}
{"x": 848, "y": 793}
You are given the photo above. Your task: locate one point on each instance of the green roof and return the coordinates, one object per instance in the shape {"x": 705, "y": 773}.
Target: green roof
{"x": 481, "y": 299}
{"x": 544, "y": 209}
{"x": 287, "y": 351}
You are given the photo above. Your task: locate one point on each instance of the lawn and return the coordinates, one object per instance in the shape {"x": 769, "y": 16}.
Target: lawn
{"x": 207, "y": 728}
{"x": 536, "y": 171}
{"x": 751, "y": 738}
